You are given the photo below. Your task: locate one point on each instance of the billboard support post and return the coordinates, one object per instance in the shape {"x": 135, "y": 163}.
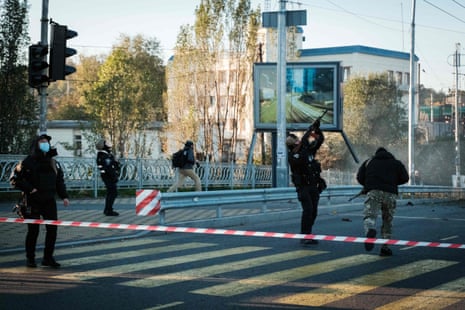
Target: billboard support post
{"x": 282, "y": 19}
{"x": 282, "y": 177}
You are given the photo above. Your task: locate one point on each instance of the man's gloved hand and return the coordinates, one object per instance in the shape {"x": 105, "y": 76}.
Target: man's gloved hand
{"x": 315, "y": 125}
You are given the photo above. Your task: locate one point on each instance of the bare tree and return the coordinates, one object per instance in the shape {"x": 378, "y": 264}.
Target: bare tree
{"x": 211, "y": 75}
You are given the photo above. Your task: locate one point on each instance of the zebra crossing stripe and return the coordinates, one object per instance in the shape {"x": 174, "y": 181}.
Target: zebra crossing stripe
{"x": 331, "y": 293}
{"x": 284, "y": 276}
{"x": 247, "y": 233}
{"x": 439, "y": 297}
{"x": 116, "y": 270}
{"x": 209, "y": 271}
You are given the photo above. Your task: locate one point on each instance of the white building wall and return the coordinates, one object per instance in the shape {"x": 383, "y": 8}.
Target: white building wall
{"x": 64, "y": 139}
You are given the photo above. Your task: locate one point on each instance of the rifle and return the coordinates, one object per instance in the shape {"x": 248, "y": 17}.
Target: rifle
{"x": 362, "y": 192}
{"x": 309, "y": 130}
{"x": 317, "y": 121}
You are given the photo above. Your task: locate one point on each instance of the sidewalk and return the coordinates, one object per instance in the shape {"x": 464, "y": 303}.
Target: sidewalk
{"x": 91, "y": 210}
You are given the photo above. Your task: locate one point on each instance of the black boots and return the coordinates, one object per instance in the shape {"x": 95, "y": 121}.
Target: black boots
{"x": 50, "y": 262}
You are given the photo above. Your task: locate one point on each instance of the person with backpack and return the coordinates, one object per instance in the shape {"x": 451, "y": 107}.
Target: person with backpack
{"x": 109, "y": 172}
{"x": 380, "y": 176}
{"x": 305, "y": 174}
{"x": 186, "y": 168}
{"x": 40, "y": 178}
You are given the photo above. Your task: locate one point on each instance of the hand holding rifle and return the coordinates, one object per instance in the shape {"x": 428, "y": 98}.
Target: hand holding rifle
{"x": 363, "y": 191}
{"x": 314, "y": 126}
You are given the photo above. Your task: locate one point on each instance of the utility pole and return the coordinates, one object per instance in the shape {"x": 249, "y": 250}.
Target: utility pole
{"x": 457, "y": 112}
{"x": 411, "y": 106}
{"x": 282, "y": 179}
{"x": 431, "y": 105}
{"x": 43, "y": 87}
{"x": 281, "y": 20}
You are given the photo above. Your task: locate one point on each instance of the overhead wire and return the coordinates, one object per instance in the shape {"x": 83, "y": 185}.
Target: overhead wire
{"x": 444, "y": 11}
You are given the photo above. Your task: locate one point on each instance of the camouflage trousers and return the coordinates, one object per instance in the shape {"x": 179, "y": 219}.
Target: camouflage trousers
{"x": 378, "y": 201}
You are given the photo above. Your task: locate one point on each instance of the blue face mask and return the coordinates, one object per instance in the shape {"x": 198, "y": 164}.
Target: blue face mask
{"x": 44, "y": 147}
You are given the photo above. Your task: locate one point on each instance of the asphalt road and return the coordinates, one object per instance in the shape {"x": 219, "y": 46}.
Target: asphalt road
{"x": 204, "y": 271}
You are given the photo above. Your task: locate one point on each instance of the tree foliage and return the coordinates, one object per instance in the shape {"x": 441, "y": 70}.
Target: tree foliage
{"x": 66, "y": 99}
{"x": 19, "y": 109}
{"x": 373, "y": 116}
{"x": 210, "y": 75}
{"x": 128, "y": 94}
{"x": 373, "y": 112}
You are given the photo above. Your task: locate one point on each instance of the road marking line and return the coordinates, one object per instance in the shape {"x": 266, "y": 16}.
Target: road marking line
{"x": 203, "y": 272}
{"x": 91, "y": 247}
{"x": 118, "y": 270}
{"x": 334, "y": 292}
{"x": 440, "y": 297}
{"x": 449, "y": 238}
{"x": 280, "y": 277}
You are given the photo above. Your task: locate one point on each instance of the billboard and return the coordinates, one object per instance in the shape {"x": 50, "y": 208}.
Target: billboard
{"x": 311, "y": 89}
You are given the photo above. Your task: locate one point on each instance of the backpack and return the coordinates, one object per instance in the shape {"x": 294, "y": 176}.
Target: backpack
{"x": 15, "y": 174}
{"x": 179, "y": 158}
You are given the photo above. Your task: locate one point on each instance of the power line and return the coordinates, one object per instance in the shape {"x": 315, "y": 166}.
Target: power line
{"x": 463, "y": 6}
{"x": 444, "y": 11}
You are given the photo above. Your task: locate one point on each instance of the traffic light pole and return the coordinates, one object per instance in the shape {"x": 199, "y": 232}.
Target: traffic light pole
{"x": 43, "y": 88}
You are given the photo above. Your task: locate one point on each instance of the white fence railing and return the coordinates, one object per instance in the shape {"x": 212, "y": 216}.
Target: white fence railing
{"x": 82, "y": 174}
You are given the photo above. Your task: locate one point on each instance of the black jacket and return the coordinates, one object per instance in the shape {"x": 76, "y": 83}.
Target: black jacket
{"x": 382, "y": 172}
{"x": 190, "y": 158}
{"x": 301, "y": 158}
{"x": 108, "y": 166}
{"x": 42, "y": 172}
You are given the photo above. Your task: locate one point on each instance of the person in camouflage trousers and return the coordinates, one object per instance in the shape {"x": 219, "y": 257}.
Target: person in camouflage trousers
{"x": 380, "y": 176}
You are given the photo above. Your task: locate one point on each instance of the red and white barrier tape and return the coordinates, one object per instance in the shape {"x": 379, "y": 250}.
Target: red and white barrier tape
{"x": 247, "y": 233}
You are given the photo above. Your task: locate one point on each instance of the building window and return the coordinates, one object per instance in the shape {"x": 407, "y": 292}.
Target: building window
{"x": 345, "y": 73}
{"x": 399, "y": 78}
{"x": 407, "y": 78}
{"x": 390, "y": 75}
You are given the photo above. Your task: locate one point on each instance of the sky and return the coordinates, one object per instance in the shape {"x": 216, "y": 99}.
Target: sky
{"x": 439, "y": 26}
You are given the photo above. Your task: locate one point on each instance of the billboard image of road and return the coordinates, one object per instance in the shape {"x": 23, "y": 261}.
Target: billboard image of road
{"x": 310, "y": 90}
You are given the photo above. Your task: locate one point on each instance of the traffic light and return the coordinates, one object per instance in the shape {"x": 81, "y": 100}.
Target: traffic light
{"x": 59, "y": 52}
{"x": 37, "y": 64}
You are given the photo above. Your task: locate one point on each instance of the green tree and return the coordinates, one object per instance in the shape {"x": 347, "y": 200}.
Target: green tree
{"x": 66, "y": 99}
{"x": 19, "y": 109}
{"x": 128, "y": 94}
{"x": 374, "y": 115}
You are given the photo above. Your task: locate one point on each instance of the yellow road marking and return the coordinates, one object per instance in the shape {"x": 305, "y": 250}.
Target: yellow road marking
{"x": 440, "y": 297}
{"x": 334, "y": 292}
{"x": 284, "y": 276}
{"x": 134, "y": 267}
{"x": 88, "y": 248}
{"x": 197, "y": 273}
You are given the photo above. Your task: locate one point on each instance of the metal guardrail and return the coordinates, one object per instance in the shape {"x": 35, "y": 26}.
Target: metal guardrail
{"x": 264, "y": 196}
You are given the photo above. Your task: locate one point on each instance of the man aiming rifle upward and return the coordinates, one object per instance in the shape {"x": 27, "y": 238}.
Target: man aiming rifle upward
{"x": 306, "y": 171}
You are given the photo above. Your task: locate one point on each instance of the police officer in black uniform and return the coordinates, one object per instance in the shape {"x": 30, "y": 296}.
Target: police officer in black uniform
{"x": 109, "y": 171}
{"x": 305, "y": 171}
{"x": 40, "y": 178}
